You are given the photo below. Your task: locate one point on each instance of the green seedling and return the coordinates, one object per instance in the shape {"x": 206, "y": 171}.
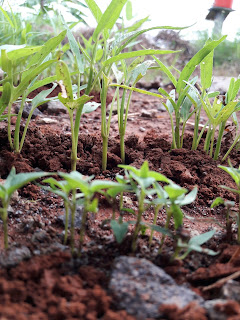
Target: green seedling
{"x": 63, "y": 189}
{"x": 78, "y": 104}
{"x": 107, "y": 52}
{"x": 141, "y": 181}
{"x": 181, "y": 107}
{"x": 83, "y": 190}
{"x": 194, "y": 244}
{"x": 131, "y": 75}
{"x": 176, "y": 197}
{"x": 228, "y": 205}
{"x": 28, "y": 82}
{"x": 235, "y": 174}
{"x": 12, "y": 183}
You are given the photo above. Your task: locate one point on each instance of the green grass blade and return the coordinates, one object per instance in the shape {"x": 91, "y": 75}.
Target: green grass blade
{"x": 48, "y": 47}
{"x": 109, "y": 17}
{"x": 138, "y": 53}
{"x": 167, "y": 71}
{"x": 94, "y": 8}
{"x": 196, "y": 59}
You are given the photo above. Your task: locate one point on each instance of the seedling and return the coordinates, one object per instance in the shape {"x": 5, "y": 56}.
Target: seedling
{"x": 183, "y": 89}
{"x": 12, "y": 183}
{"x": 176, "y": 197}
{"x": 194, "y": 244}
{"x": 79, "y": 104}
{"x": 83, "y": 190}
{"x": 228, "y": 205}
{"x": 107, "y": 53}
{"x": 141, "y": 182}
{"x": 235, "y": 174}
{"x": 28, "y": 81}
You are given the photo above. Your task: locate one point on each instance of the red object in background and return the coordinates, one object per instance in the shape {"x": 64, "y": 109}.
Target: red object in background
{"x": 223, "y": 3}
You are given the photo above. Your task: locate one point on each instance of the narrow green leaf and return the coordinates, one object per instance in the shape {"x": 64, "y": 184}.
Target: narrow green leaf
{"x": 129, "y": 14}
{"x": 119, "y": 230}
{"x": 206, "y": 67}
{"x": 21, "y": 53}
{"x": 167, "y": 71}
{"x": 48, "y": 47}
{"x": 64, "y": 79}
{"x": 109, "y": 17}
{"x": 217, "y": 202}
{"x": 18, "y": 91}
{"x": 149, "y": 93}
{"x": 94, "y": 8}
{"x": 138, "y": 53}
{"x": 196, "y": 59}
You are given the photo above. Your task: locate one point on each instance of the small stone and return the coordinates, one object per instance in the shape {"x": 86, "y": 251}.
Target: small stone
{"x": 46, "y": 121}
{"x": 27, "y": 109}
{"x": 146, "y": 114}
{"x": 78, "y": 218}
{"x": 39, "y": 236}
{"x": 231, "y": 290}
{"x": 142, "y": 129}
{"x": 13, "y": 256}
{"x": 141, "y": 288}
{"x": 56, "y": 107}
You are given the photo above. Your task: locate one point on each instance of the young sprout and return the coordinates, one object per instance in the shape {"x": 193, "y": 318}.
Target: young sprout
{"x": 12, "y": 183}
{"x": 27, "y": 81}
{"x": 228, "y": 205}
{"x": 176, "y": 197}
{"x": 141, "y": 181}
{"x": 83, "y": 189}
{"x": 72, "y": 104}
{"x": 194, "y": 244}
{"x": 63, "y": 190}
{"x": 235, "y": 174}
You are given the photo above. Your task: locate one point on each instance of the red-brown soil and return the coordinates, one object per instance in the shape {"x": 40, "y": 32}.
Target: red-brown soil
{"x": 53, "y": 285}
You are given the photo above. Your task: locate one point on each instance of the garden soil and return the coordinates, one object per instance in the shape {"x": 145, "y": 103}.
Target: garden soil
{"x": 43, "y": 281}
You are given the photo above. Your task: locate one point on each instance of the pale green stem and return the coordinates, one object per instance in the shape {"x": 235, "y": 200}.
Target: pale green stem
{"x": 82, "y": 230}
{"x": 196, "y": 127}
{"x": 212, "y": 141}
{"x": 169, "y": 215}
{"x": 200, "y": 135}
{"x": 219, "y": 140}
{"x": 208, "y": 139}
{"x": 9, "y": 126}
{"x": 138, "y": 222}
{"x": 232, "y": 146}
{"x": 66, "y": 221}
{"x": 156, "y": 210}
{"x": 5, "y": 226}
{"x": 174, "y": 146}
{"x": 177, "y": 130}
{"x": 17, "y": 126}
{"x": 74, "y": 144}
{"x": 73, "y": 210}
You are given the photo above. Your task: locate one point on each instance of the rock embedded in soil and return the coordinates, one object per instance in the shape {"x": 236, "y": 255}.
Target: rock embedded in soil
{"x": 77, "y": 218}
{"x": 27, "y": 109}
{"x": 55, "y": 108}
{"x": 141, "y": 288}
{"x": 219, "y": 309}
{"x": 13, "y": 256}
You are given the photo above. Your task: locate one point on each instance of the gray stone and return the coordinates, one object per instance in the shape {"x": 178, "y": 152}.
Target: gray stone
{"x": 39, "y": 236}
{"x": 56, "y": 107}
{"x": 141, "y": 288}
{"x": 27, "y": 109}
{"x": 231, "y": 290}
{"x": 13, "y": 256}
{"x": 213, "y": 312}
{"x": 78, "y": 218}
